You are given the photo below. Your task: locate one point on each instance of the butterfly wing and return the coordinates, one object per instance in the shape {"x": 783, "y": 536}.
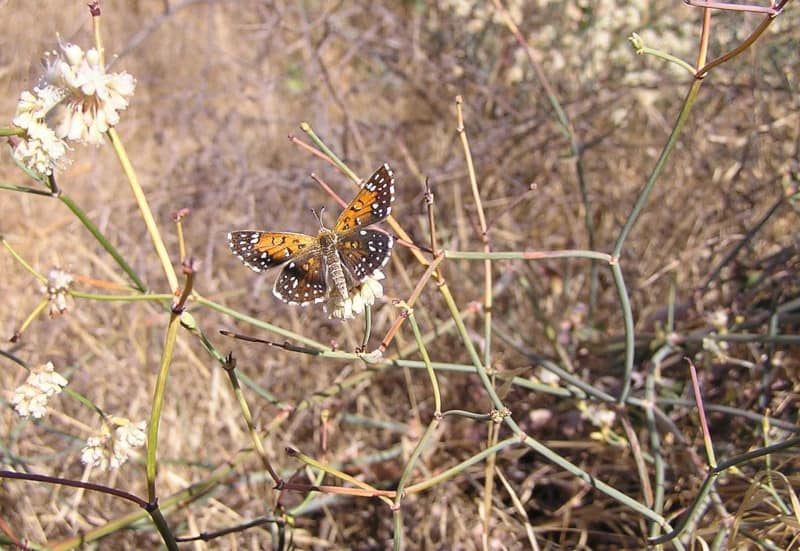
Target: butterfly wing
{"x": 365, "y": 251}
{"x": 303, "y": 280}
{"x": 260, "y": 250}
{"x": 372, "y": 204}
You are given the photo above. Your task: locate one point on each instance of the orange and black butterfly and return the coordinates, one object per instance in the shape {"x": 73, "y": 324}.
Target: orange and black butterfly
{"x": 333, "y": 261}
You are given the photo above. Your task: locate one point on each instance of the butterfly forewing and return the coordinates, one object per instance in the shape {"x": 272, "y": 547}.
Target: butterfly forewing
{"x": 372, "y": 204}
{"x": 365, "y": 251}
{"x": 303, "y": 280}
{"x": 261, "y": 250}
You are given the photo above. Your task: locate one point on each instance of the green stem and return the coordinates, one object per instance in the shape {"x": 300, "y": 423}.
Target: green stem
{"x": 527, "y": 255}
{"x": 11, "y": 131}
{"x": 484, "y": 235}
{"x": 338, "y": 473}
{"x": 161, "y": 383}
{"x": 26, "y": 189}
{"x": 627, "y": 316}
{"x": 746, "y": 337}
{"x": 482, "y": 417}
{"x": 644, "y": 50}
{"x": 437, "y": 398}
{"x": 644, "y": 194}
{"x": 480, "y": 369}
{"x": 230, "y": 368}
{"x": 397, "y": 512}
{"x": 655, "y": 439}
{"x": 367, "y": 327}
{"x": 163, "y": 529}
{"x": 105, "y": 243}
{"x": 84, "y": 400}
{"x": 32, "y": 316}
{"x": 461, "y": 467}
{"x": 122, "y": 298}
{"x": 144, "y": 208}
{"x": 305, "y": 127}
{"x": 261, "y": 324}
{"x": 588, "y": 222}
{"x": 22, "y": 261}
{"x": 158, "y": 403}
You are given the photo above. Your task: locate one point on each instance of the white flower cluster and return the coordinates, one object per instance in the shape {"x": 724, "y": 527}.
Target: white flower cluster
{"x": 31, "y": 398}
{"x": 76, "y": 100}
{"x": 110, "y": 450}
{"x": 360, "y": 297}
{"x": 58, "y": 282}
{"x": 598, "y": 414}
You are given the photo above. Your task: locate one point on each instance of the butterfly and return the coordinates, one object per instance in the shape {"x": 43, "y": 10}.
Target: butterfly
{"x": 335, "y": 260}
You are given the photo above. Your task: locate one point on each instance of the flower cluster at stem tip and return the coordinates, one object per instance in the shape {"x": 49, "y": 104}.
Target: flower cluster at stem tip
{"x": 75, "y": 100}
{"x": 114, "y": 444}
{"x": 30, "y": 399}
{"x": 361, "y": 296}
{"x": 57, "y": 289}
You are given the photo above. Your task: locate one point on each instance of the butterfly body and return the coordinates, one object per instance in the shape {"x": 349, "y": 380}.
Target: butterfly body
{"x": 335, "y": 272}
{"x": 333, "y": 261}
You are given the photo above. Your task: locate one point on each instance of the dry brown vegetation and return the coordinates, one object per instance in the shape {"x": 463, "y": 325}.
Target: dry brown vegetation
{"x": 220, "y": 85}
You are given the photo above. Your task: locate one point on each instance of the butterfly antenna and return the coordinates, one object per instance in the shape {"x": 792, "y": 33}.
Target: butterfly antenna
{"x": 318, "y": 216}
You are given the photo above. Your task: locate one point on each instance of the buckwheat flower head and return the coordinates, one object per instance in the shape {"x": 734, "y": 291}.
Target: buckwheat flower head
{"x": 93, "y": 97}
{"x": 127, "y": 437}
{"x": 361, "y": 296}
{"x": 111, "y": 449}
{"x": 58, "y": 283}
{"x": 40, "y": 149}
{"x": 94, "y": 453}
{"x": 30, "y": 399}
{"x": 33, "y": 107}
{"x": 76, "y": 99}
{"x": 598, "y": 415}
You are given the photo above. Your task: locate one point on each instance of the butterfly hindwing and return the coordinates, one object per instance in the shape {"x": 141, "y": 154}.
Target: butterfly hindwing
{"x": 372, "y": 204}
{"x": 303, "y": 280}
{"x": 262, "y": 250}
{"x": 364, "y": 251}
